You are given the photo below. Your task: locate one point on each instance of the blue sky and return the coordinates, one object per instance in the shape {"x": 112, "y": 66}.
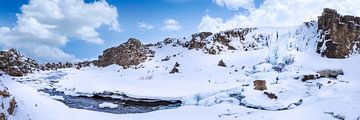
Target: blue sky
{"x": 51, "y": 33}
{"x": 131, "y": 12}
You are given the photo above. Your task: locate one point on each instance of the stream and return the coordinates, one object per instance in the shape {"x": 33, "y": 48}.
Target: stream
{"x": 124, "y": 104}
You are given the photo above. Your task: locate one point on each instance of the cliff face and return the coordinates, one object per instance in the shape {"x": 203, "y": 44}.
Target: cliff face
{"x": 340, "y": 34}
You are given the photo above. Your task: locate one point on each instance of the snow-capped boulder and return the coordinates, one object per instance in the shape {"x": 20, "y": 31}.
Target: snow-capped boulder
{"x": 340, "y": 34}
{"x": 132, "y": 52}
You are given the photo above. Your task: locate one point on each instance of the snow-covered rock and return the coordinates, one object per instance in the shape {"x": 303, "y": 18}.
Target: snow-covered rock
{"x": 108, "y": 105}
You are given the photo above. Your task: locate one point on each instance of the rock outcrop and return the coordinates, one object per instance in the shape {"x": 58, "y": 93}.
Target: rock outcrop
{"x": 340, "y": 34}
{"x": 15, "y": 64}
{"x": 198, "y": 40}
{"x": 127, "y": 54}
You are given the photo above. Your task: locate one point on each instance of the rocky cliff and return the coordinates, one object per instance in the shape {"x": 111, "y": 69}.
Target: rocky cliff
{"x": 340, "y": 34}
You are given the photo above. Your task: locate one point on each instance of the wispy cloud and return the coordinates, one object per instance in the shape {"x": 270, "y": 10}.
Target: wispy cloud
{"x": 43, "y": 26}
{"x": 236, "y": 4}
{"x": 171, "y": 25}
{"x": 275, "y": 13}
{"x": 145, "y": 25}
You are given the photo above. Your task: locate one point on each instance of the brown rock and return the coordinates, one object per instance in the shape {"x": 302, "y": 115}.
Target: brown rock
{"x": 260, "y": 85}
{"x": 2, "y": 116}
{"x": 127, "y": 54}
{"x": 271, "y": 95}
{"x": 11, "y": 109}
{"x": 4, "y": 93}
{"x": 340, "y": 34}
{"x": 308, "y": 77}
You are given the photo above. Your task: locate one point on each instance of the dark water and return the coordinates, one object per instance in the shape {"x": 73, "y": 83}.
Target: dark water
{"x": 125, "y": 103}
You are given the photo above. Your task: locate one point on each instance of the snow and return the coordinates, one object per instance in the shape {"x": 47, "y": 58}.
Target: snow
{"x": 108, "y": 105}
{"x": 204, "y": 87}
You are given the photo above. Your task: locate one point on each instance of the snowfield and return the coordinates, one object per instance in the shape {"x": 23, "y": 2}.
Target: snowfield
{"x": 207, "y": 91}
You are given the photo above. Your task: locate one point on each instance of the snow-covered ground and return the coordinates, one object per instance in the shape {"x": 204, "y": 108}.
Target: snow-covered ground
{"x": 206, "y": 89}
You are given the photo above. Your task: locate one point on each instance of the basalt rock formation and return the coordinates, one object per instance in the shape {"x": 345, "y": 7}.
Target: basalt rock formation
{"x": 127, "y": 54}
{"x": 340, "y": 34}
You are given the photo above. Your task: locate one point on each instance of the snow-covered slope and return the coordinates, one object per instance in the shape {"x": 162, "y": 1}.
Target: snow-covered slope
{"x": 280, "y": 56}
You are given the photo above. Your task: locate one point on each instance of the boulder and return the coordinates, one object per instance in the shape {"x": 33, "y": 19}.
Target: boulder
{"x": 12, "y": 106}
{"x": 260, "y": 85}
{"x": 330, "y": 73}
{"x": 4, "y": 94}
{"x": 221, "y": 63}
{"x": 175, "y": 68}
{"x": 127, "y": 54}
{"x": 309, "y": 77}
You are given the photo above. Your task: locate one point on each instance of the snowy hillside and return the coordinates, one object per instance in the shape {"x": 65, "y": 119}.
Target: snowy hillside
{"x": 186, "y": 80}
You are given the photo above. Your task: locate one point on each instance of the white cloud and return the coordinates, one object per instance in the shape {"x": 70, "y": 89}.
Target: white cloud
{"x": 235, "y": 4}
{"x": 43, "y": 26}
{"x": 279, "y": 13}
{"x": 171, "y": 25}
{"x": 145, "y": 25}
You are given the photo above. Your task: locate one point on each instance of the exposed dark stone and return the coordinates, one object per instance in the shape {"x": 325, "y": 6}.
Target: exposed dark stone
{"x": 340, "y": 34}
{"x": 168, "y": 41}
{"x": 175, "y": 68}
{"x": 271, "y": 95}
{"x": 221, "y": 63}
{"x": 177, "y": 64}
{"x": 167, "y": 58}
{"x": 309, "y": 77}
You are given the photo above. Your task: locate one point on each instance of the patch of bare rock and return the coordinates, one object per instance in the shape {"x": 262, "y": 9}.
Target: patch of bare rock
{"x": 259, "y": 85}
